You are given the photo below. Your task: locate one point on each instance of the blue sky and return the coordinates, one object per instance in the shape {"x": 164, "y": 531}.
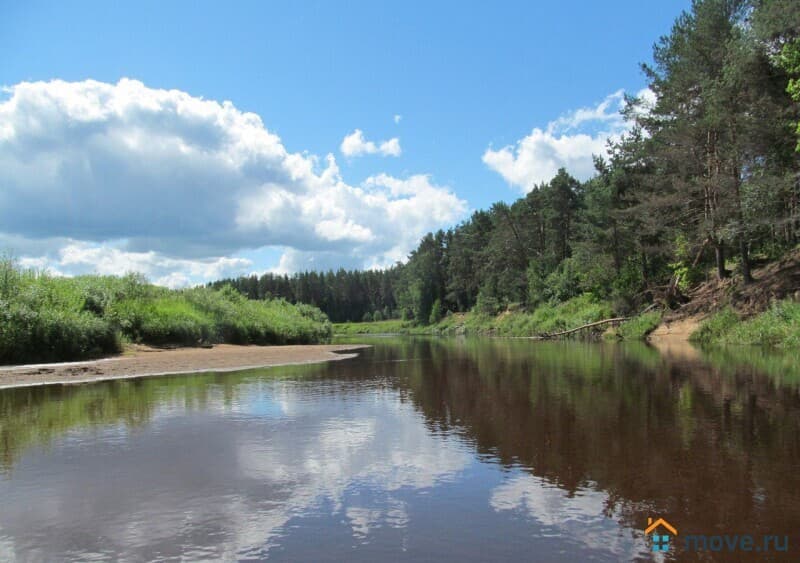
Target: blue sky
{"x": 484, "y": 91}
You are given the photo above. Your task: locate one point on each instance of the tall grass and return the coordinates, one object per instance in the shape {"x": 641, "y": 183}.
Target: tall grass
{"x": 47, "y": 318}
{"x": 546, "y": 318}
{"x": 777, "y": 326}
{"x": 391, "y": 326}
{"x": 713, "y": 329}
{"x": 639, "y": 326}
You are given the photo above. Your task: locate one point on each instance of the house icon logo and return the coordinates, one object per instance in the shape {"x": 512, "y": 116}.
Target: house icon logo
{"x": 656, "y": 530}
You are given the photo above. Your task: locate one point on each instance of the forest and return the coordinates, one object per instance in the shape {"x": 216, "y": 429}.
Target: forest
{"x": 705, "y": 183}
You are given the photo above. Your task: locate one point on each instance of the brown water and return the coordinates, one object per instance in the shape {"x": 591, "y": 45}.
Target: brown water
{"x": 420, "y": 449}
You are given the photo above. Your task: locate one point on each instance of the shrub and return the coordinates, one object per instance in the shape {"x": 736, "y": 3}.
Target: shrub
{"x": 564, "y": 282}
{"x": 49, "y": 334}
{"x": 575, "y": 312}
{"x": 487, "y": 304}
{"x": 436, "y": 312}
{"x": 688, "y": 275}
{"x": 716, "y": 327}
{"x": 46, "y": 318}
{"x": 777, "y": 326}
{"x": 166, "y": 320}
{"x": 639, "y": 326}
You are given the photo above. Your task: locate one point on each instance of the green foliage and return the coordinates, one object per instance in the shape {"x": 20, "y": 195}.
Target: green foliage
{"x": 436, "y": 312}
{"x": 45, "y": 318}
{"x": 713, "y": 329}
{"x": 27, "y": 334}
{"x": 639, "y": 326}
{"x": 778, "y": 326}
{"x": 548, "y": 318}
{"x": 537, "y": 288}
{"x": 564, "y": 282}
{"x": 627, "y": 283}
{"x": 344, "y": 295}
{"x": 487, "y": 304}
{"x": 575, "y": 312}
{"x": 393, "y": 326}
{"x": 790, "y": 61}
{"x": 688, "y": 275}
{"x": 166, "y": 320}
{"x": 42, "y": 318}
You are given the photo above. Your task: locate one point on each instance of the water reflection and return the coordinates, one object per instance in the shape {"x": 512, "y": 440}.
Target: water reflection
{"x": 419, "y": 449}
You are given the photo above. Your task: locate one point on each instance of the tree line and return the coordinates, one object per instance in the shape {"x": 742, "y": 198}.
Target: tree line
{"x": 344, "y": 295}
{"x": 706, "y": 179}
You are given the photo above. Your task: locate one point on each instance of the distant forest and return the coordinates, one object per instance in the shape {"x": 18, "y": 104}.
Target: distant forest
{"x": 706, "y": 182}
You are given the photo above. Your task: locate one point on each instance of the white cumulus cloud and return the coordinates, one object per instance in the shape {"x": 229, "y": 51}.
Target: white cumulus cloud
{"x": 355, "y": 144}
{"x": 567, "y": 142}
{"x": 121, "y": 177}
{"x": 408, "y": 207}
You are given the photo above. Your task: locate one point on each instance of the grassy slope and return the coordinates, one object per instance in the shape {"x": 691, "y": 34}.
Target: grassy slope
{"x": 46, "y": 318}
{"x": 394, "y": 326}
{"x": 638, "y": 327}
{"x": 765, "y": 312}
{"x": 546, "y": 318}
{"x": 777, "y": 326}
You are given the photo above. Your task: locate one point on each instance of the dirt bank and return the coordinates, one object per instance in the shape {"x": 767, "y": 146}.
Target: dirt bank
{"x": 141, "y": 361}
{"x": 676, "y": 330}
{"x": 771, "y": 282}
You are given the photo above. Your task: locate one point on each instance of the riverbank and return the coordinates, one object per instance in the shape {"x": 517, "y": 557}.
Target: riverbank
{"x": 46, "y": 318}
{"x": 714, "y": 312}
{"x": 144, "y": 361}
{"x": 778, "y": 326}
{"x": 545, "y": 319}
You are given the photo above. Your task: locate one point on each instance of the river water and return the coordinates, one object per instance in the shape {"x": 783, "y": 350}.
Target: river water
{"x": 417, "y": 450}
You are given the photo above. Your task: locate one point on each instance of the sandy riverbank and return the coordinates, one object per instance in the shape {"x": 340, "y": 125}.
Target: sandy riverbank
{"x": 676, "y": 330}
{"x": 141, "y": 361}
{"x": 672, "y": 337}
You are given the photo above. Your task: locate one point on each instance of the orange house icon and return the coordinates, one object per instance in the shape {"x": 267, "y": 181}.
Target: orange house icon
{"x": 652, "y": 526}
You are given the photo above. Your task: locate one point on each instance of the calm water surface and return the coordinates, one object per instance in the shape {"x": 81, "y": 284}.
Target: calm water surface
{"x": 420, "y": 449}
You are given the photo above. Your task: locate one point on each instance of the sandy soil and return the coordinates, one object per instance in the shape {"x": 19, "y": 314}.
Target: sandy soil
{"x": 142, "y": 361}
{"x": 671, "y": 337}
{"x": 677, "y": 330}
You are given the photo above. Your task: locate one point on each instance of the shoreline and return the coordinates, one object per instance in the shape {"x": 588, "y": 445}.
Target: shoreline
{"x": 144, "y": 361}
{"x": 676, "y": 331}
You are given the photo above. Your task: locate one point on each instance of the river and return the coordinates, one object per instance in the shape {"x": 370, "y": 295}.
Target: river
{"x": 420, "y": 449}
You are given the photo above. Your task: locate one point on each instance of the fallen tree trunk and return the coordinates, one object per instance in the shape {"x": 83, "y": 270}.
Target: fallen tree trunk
{"x": 590, "y": 325}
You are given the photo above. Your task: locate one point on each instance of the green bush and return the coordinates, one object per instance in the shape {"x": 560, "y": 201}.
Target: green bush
{"x": 547, "y": 318}
{"x": 48, "y": 334}
{"x": 575, "y": 312}
{"x": 487, "y": 304}
{"x": 436, "y": 312}
{"x": 688, "y": 275}
{"x": 777, "y": 326}
{"x": 639, "y": 326}
{"x": 165, "y": 320}
{"x": 564, "y": 282}
{"x": 46, "y": 318}
{"x": 389, "y": 326}
{"x": 716, "y": 327}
